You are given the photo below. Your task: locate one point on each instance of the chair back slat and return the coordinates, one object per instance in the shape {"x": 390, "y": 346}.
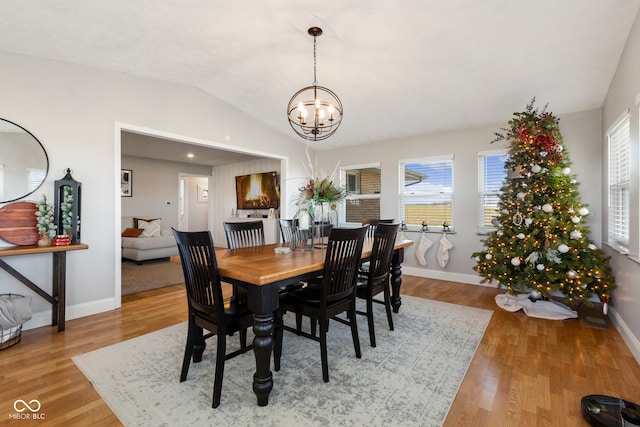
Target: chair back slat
{"x": 291, "y": 233}
{"x": 288, "y": 229}
{"x": 244, "y": 234}
{"x": 344, "y": 249}
{"x": 384, "y": 240}
{"x": 373, "y": 223}
{"x": 200, "y": 269}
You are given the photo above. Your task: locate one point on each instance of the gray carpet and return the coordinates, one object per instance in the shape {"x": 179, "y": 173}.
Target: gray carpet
{"x": 150, "y": 275}
{"x": 409, "y": 379}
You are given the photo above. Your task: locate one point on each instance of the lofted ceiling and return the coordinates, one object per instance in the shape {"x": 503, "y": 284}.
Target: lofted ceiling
{"x": 400, "y": 68}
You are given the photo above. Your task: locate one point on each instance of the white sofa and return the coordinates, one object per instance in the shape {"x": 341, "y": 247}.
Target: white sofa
{"x": 152, "y": 243}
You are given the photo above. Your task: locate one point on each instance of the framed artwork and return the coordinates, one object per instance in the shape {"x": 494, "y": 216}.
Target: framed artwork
{"x": 203, "y": 194}
{"x": 126, "y": 177}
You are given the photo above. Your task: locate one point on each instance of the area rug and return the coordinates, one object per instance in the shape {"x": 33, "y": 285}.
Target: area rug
{"x": 150, "y": 275}
{"x": 409, "y": 379}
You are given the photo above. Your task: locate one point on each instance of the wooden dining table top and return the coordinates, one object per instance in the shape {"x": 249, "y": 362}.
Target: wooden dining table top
{"x": 261, "y": 265}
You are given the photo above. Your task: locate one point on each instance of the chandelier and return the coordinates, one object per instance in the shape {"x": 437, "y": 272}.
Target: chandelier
{"x": 315, "y": 112}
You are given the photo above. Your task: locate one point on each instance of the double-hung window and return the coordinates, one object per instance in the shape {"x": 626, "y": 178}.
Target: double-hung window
{"x": 426, "y": 191}
{"x": 491, "y": 177}
{"x": 619, "y": 177}
{"x": 363, "y": 184}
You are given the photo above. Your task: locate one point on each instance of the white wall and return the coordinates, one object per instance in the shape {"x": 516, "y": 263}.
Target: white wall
{"x": 224, "y": 184}
{"x": 581, "y": 132}
{"x": 197, "y": 210}
{"x": 623, "y": 95}
{"x": 154, "y": 183}
{"x": 76, "y": 113}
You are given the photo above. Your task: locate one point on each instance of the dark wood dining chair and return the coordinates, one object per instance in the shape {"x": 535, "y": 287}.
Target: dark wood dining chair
{"x": 207, "y": 307}
{"x": 376, "y": 280}
{"x": 323, "y": 299}
{"x": 373, "y": 223}
{"x": 291, "y": 233}
{"x": 244, "y": 234}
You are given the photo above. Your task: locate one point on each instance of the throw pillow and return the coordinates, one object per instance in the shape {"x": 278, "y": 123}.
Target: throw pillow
{"x": 132, "y": 232}
{"x": 136, "y": 219}
{"x": 151, "y": 228}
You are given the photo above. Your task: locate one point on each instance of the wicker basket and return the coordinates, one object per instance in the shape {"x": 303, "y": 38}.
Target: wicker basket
{"x": 12, "y": 336}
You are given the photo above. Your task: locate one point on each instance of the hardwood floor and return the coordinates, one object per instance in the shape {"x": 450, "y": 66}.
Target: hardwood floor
{"x": 526, "y": 371}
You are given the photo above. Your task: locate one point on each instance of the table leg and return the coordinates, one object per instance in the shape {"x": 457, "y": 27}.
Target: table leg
{"x": 396, "y": 278}
{"x": 59, "y": 289}
{"x": 262, "y": 347}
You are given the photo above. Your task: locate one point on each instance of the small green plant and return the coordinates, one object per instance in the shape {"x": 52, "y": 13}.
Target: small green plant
{"x": 44, "y": 218}
{"x": 66, "y": 207}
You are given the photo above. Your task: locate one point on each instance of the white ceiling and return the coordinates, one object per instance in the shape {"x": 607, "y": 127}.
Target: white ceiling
{"x": 400, "y": 68}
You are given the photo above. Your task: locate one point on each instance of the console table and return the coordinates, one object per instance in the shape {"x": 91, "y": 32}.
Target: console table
{"x": 57, "y": 299}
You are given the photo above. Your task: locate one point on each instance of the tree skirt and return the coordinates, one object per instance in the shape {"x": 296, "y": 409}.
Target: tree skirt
{"x": 543, "y": 309}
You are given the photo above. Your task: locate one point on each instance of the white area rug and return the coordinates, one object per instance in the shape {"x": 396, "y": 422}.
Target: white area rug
{"x": 409, "y": 379}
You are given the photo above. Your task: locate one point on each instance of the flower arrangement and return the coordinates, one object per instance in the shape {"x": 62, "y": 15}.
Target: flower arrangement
{"x": 320, "y": 189}
{"x": 44, "y": 218}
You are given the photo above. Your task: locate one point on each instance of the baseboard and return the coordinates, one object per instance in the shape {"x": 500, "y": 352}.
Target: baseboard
{"x": 470, "y": 279}
{"x": 43, "y": 318}
{"x": 631, "y": 340}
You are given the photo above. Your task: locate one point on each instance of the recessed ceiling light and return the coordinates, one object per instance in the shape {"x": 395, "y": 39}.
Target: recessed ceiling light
{"x": 190, "y": 155}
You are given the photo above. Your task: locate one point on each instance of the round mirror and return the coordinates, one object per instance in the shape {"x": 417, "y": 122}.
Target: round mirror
{"x": 23, "y": 162}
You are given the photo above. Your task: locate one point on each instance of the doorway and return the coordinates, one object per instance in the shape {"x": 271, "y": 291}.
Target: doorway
{"x": 193, "y": 203}
{"x": 150, "y": 143}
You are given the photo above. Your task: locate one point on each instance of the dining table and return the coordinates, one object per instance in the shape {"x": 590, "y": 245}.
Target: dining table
{"x": 263, "y": 271}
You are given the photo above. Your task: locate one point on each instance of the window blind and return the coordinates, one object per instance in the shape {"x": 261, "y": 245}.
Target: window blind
{"x": 491, "y": 179}
{"x": 426, "y": 193}
{"x": 619, "y": 179}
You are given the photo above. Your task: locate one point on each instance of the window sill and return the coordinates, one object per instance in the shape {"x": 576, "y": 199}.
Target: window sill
{"x": 618, "y": 248}
{"x": 430, "y": 231}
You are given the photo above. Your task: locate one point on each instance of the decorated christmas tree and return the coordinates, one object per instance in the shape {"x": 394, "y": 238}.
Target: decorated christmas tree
{"x": 541, "y": 243}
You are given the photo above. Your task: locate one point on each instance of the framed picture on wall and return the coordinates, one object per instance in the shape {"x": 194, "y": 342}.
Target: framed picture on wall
{"x": 126, "y": 189}
{"x": 203, "y": 194}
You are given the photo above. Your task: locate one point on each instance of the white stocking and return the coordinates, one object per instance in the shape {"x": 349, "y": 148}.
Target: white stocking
{"x": 443, "y": 251}
{"x": 423, "y": 246}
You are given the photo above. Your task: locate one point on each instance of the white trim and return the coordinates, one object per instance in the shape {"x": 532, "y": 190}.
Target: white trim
{"x": 427, "y": 159}
{"x": 43, "y": 318}
{"x": 627, "y": 336}
{"x": 197, "y": 141}
{"x": 617, "y": 121}
{"x": 469, "y": 279}
{"x": 497, "y": 152}
{"x": 362, "y": 166}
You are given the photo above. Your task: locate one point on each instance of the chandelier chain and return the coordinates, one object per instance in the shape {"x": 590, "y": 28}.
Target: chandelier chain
{"x": 315, "y": 79}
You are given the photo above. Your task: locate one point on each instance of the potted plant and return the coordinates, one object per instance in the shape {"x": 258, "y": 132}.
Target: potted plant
{"x": 44, "y": 222}
{"x": 66, "y": 207}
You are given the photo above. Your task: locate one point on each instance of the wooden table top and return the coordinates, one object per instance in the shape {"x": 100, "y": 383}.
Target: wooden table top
{"x": 260, "y": 265}
{"x": 34, "y": 249}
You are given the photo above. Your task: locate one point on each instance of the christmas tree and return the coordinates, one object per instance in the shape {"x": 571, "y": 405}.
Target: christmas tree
{"x": 541, "y": 244}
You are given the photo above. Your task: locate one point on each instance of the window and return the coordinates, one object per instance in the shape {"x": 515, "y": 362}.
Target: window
{"x": 426, "y": 191}
{"x": 491, "y": 176}
{"x": 363, "y": 192}
{"x": 35, "y": 177}
{"x": 619, "y": 177}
